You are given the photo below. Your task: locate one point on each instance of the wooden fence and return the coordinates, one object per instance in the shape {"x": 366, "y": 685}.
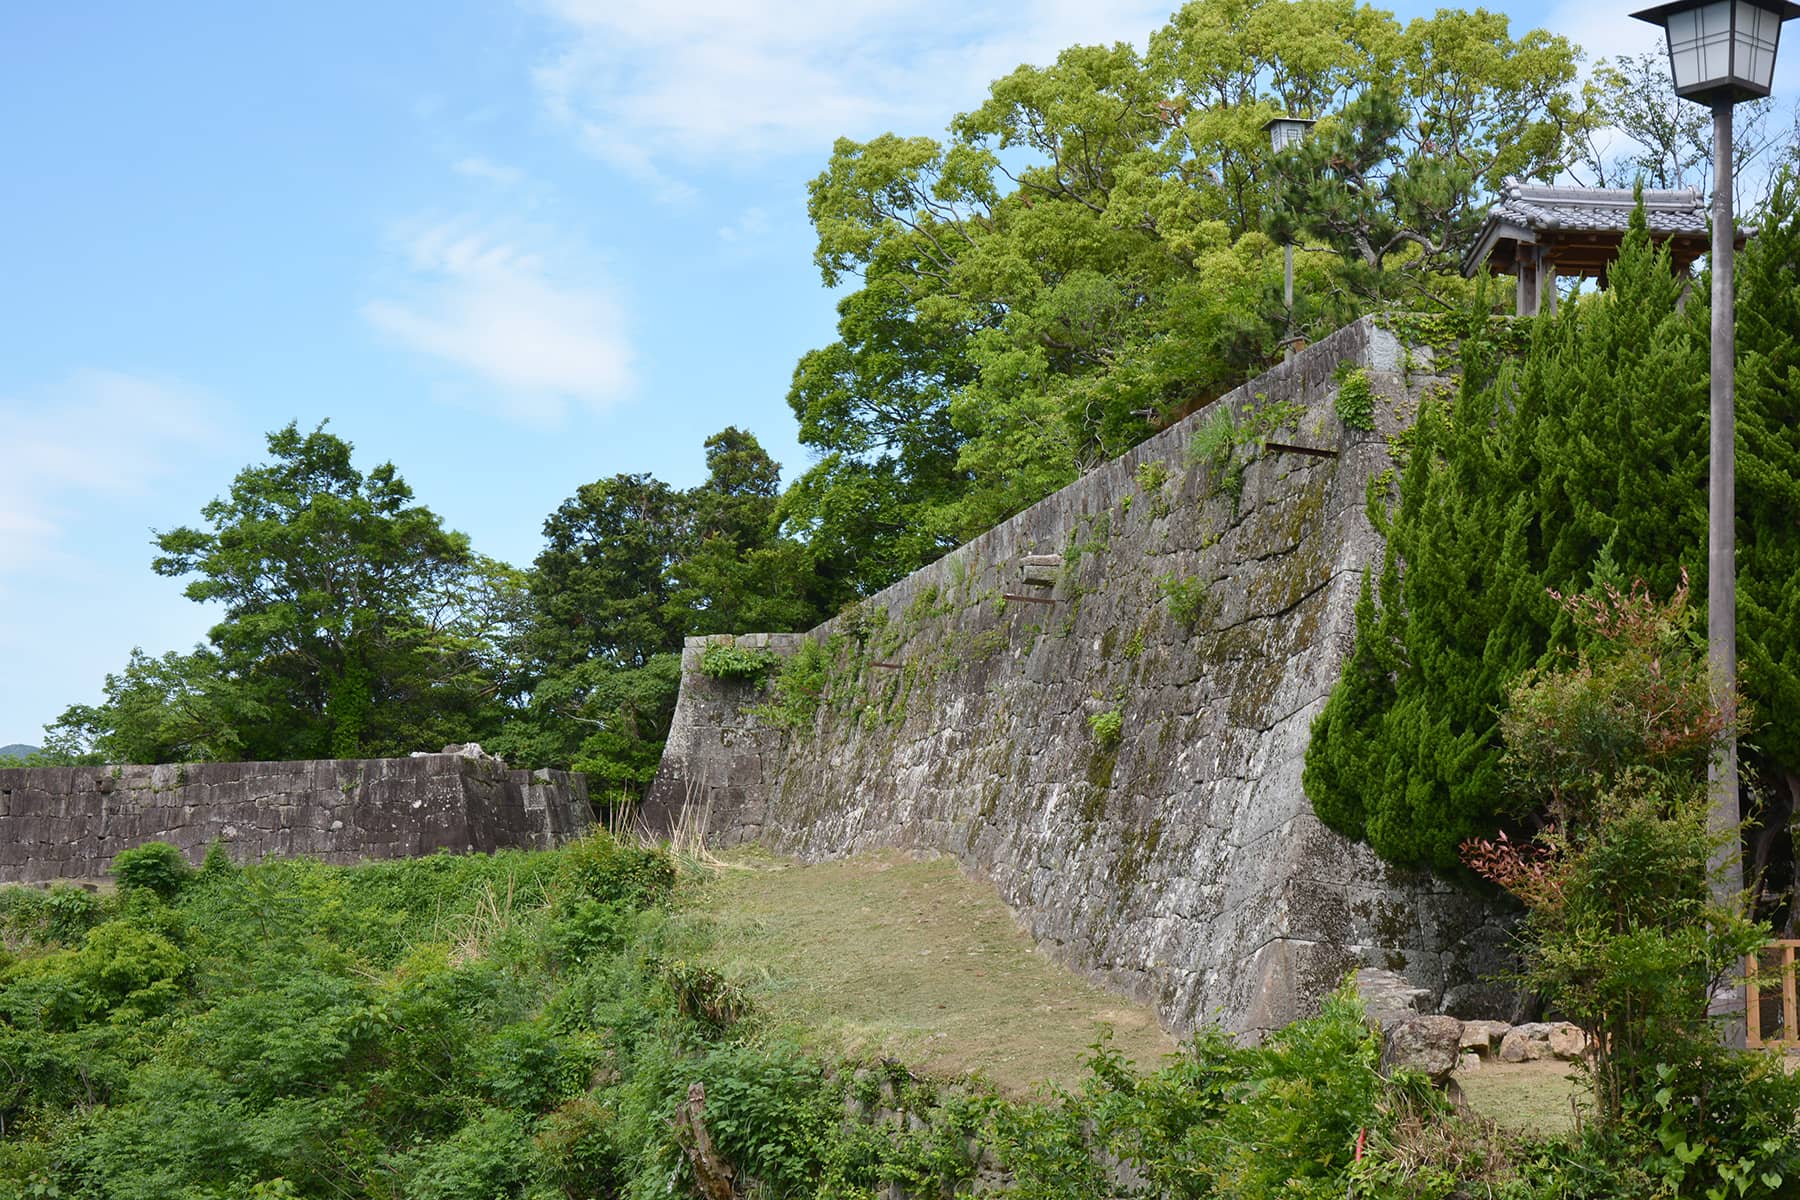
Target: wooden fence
{"x": 1771, "y": 1012}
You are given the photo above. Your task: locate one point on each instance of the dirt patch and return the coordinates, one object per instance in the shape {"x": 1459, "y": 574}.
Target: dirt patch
{"x": 888, "y": 955}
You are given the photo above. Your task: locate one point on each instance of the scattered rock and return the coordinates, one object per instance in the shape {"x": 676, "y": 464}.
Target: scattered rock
{"x": 1566, "y": 1041}
{"x": 1468, "y": 1061}
{"x": 1427, "y": 1044}
{"x": 1483, "y": 1037}
{"x": 1515, "y": 1047}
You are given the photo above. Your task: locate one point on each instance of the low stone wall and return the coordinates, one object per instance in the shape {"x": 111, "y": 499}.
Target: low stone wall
{"x": 69, "y": 822}
{"x": 1104, "y": 705}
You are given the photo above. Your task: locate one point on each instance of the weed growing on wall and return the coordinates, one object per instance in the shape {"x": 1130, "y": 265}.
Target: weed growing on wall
{"x": 1186, "y": 596}
{"x": 1214, "y": 445}
{"x": 1355, "y": 402}
{"x": 798, "y": 687}
{"x": 727, "y": 660}
{"x": 1107, "y": 727}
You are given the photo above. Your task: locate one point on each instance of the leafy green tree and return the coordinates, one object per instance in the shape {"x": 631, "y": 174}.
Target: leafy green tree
{"x": 177, "y": 708}
{"x": 737, "y": 573}
{"x": 630, "y": 567}
{"x": 1396, "y": 181}
{"x": 601, "y": 590}
{"x": 1084, "y": 257}
{"x": 348, "y": 624}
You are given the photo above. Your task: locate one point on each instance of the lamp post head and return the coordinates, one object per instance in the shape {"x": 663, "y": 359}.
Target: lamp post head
{"x": 1721, "y": 50}
{"x": 1288, "y": 131}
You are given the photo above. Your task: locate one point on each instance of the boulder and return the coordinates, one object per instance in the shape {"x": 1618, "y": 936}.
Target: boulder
{"x": 1526, "y": 1043}
{"x": 1566, "y": 1041}
{"x": 1427, "y": 1044}
{"x": 1483, "y": 1037}
{"x": 1389, "y": 996}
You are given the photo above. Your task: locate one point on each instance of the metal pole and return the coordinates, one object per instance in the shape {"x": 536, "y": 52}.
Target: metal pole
{"x": 1287, "y": 294}
{"x": 1721, "y": 541}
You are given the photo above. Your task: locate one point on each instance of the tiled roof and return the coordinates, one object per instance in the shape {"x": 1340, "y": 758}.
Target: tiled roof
{"x": 1534, "y": 213}
{"x": 1676, "y": 210}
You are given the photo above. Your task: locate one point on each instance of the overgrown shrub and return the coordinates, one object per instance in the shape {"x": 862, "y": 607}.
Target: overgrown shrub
{"x": 1355, "y": 401}
{"x": 1624, "y": 933}
{"x": 154, "y": 866}
{"x": 798, "y": 687}
{"x": 723, "y": 660}
{"x": 1186, "y": 597}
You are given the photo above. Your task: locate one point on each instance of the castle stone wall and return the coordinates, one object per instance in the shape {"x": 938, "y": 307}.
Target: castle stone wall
{"x": 1209, "y": 609}
{"x": 69, "y": 822}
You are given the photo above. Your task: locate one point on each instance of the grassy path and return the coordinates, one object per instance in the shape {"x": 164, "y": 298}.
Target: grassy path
{"x": 887, "y": 955}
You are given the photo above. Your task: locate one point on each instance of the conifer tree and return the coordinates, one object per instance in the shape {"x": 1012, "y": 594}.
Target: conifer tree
{"x": 1583, "y": 461}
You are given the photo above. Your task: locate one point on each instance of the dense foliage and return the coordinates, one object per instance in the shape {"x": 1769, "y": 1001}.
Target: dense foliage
{"x": 1581, "y": 462}
{"x": 355, "y": 625}
{"x": 536, "y": 1025}
{"x": 1095, "y": 248}
{"x": 1624, "y": 933}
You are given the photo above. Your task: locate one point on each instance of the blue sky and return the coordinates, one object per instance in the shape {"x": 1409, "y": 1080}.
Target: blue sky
{"x": 512, "y": 247}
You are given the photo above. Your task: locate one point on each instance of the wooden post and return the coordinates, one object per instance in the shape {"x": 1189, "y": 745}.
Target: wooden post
{"x": 1525, "y": 303}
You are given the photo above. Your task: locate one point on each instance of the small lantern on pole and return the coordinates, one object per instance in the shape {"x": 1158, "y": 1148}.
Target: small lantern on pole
{"x": 1285, "y": 132}
{"x": 1721, "y": 52}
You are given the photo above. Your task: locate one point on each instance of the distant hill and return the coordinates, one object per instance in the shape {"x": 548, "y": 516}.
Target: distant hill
{"x": 17, "y": 750}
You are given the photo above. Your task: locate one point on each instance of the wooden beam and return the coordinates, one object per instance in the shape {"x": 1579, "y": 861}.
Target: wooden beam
{"x": 1315, "y": 451}
{"x": 1753, "y": 1005}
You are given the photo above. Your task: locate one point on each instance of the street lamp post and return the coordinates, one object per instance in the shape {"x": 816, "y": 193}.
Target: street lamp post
{"x": 1722, "y": 52}
{"x": 1285, "y": 132}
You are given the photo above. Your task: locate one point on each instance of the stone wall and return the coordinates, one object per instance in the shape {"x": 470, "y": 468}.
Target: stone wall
{"x": 1210, "y": 610}
{"x": 69, "y": 822}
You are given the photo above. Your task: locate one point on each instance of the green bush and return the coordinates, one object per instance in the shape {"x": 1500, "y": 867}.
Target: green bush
{"x": 799, "y": 687}
{"x": 1107, "y": 727}
{"x": 154, "y": 866}
{"x": 722, "y": 660}
{"x": 1355, "y": 402}
{"x": 600, "y": 867}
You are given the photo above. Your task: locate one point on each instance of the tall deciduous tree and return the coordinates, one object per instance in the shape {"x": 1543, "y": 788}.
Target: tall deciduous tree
{"x": 601, "y": 588}
{"x": 1084, "y": 256}
{"x": 319, "y": 568}
{"x": 631, "y": 566}
{"x": 347, "y": 629}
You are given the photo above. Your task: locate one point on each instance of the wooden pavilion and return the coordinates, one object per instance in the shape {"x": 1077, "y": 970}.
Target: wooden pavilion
{"x": 1538, "y": 232}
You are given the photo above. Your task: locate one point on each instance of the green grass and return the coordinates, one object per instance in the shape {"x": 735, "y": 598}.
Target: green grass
{"x": 911, "y": 959}
{"x": 1529, "y": 1097}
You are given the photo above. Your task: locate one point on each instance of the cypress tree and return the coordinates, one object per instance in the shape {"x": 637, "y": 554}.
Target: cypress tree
{"x": 1583, "y": 461}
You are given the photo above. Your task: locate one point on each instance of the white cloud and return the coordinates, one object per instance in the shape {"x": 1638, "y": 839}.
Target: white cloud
{"x": 483, "y": 303}
{"x": 98, "y": 437}
{"x": 476, "y": 167}
{"x": 654, "y": 87}
{"x": 750, "y": 225}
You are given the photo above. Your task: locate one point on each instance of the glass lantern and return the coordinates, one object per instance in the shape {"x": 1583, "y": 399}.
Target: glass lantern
{"x": 1722, "y": 50}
